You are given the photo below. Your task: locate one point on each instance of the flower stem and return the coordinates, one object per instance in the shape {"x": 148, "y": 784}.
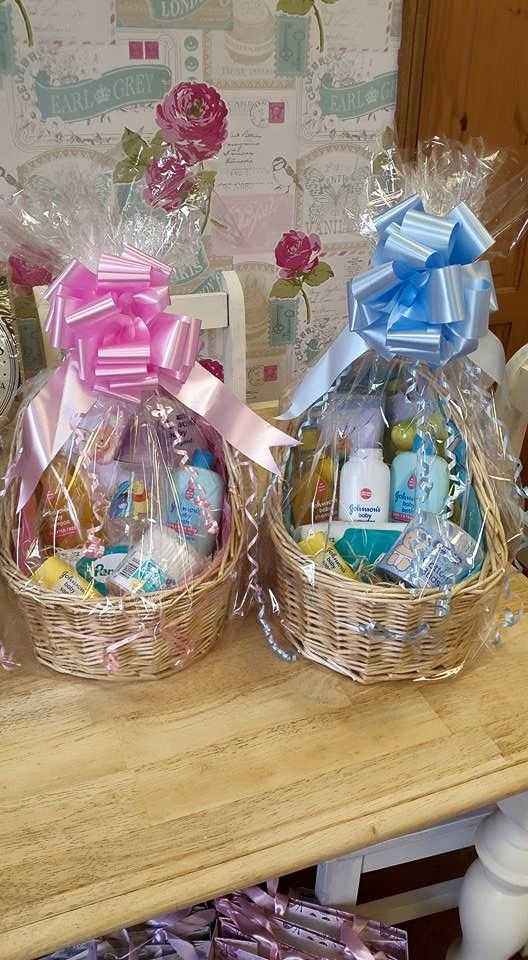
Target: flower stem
{"x": 27, "y": 22}
{"x": 207, "y": 213}
{"x": 321, "y": 28}
{"x": 307, "y": 305}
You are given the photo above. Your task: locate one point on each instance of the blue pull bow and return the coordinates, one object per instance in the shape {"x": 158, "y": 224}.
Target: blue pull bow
{"x": 423, "y": 299}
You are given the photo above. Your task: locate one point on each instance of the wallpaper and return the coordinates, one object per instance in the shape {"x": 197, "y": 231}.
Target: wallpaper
{"x": 310, "y": 85}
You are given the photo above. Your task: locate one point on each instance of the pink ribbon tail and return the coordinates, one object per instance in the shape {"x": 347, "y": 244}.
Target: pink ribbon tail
{"x": 241, "y": 427}
{"x": 47, "y": 426}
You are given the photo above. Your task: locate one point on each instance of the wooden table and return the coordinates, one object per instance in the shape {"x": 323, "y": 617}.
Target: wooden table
{"x": 118, "y": 801}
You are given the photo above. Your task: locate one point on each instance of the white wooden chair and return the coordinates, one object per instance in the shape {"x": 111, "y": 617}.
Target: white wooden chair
{"x": 499, "y": 834}
{"x": 222, "y": 314}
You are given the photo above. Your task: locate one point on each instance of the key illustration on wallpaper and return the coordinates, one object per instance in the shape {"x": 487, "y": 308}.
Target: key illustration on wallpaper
{"x": 300, "y": 7}
{"x": 297, "y": 256}
{"x": 192, "y": 121}
{"x": 284, "y": 175}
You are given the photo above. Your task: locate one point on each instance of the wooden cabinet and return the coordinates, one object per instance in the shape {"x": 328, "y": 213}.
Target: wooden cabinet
{"x": 464, "y": 73}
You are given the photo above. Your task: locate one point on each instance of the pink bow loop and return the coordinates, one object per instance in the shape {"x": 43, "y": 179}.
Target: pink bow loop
{"x": 113, "y": 324}
{"x": 120, "y": 341}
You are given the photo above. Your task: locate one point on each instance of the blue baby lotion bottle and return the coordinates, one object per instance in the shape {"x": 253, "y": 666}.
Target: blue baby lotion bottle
{"x": 185, "y": 510}
{"x": 405, "y": 481}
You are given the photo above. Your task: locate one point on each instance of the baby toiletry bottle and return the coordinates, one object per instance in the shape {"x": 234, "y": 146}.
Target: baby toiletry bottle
{"x": 364, "y": 486}
{"x": 312, "y": 481}
{"x": 65, "y": 511}
{"x": 128, "y": 511}
{"x": 186, "y": 511}
{"x": 405, "y": 482}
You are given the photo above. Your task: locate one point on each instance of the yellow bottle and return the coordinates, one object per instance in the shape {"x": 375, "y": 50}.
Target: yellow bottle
{"x": 65, "y": 508}
{"x": 313, "y": 481}
{"x": 56, "y": 575}
{"x": 325, "y": 554}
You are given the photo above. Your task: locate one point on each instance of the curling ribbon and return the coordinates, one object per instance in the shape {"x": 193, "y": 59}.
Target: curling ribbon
{"x": 424, "y": 299}
{"x": 120, "y": 342}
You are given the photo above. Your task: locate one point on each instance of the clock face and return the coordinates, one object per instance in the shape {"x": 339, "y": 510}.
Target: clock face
{"x": 9, "y": 368}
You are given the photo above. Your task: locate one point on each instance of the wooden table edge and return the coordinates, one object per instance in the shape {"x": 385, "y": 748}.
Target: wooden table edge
{"x": 94, "y": 919}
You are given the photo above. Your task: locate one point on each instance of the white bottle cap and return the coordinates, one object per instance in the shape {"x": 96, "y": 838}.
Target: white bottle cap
{"x": 367, "y": 453}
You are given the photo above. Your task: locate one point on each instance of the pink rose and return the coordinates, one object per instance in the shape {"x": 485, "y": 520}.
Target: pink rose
{"x": 297, "y": 252}
{"x": 167, "y": 182}
{"x": 193, "y": 117}
{"x": 28, "y": 274}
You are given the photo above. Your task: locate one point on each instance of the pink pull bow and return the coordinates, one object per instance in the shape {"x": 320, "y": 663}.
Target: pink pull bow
{"x": 114, "y": 326}
{"x": 120, "y": 342}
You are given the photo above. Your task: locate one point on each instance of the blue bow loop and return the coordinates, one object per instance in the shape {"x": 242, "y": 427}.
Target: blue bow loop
{"x": 424, "y": 298}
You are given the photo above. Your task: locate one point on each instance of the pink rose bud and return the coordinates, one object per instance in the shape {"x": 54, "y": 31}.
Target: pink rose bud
{"x": 167, "y": 182}
{"x": 28, "y": 274}
{"x": 297, "y": 252}
{"x": 193, "y": 117}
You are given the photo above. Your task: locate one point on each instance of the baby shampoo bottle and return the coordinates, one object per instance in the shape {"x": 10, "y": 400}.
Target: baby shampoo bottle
{"x": 405, "y": 482}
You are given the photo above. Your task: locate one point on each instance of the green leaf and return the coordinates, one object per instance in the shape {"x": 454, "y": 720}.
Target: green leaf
{"x": 387, "y": 138}
{"x": 285, "y": 289}
{"x": 320, "y": 274}
{"x": 157, "y": 145}
{"x": 126, "y": 172}
{"x": 328, "y": 1}
{"x": 135, "y": 147}
{"x": 295, "y": 7}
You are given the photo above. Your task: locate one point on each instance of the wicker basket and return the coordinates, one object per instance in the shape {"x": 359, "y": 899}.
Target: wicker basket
{"x": 182, "y": 626}
{"x": 358, "y": 629}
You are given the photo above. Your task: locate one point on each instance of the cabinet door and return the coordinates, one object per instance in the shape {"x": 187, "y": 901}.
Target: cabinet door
{"x": 464, "y": 73}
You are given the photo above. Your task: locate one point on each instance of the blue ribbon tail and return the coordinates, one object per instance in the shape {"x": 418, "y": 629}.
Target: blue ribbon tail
{"x": 343, "y": 351}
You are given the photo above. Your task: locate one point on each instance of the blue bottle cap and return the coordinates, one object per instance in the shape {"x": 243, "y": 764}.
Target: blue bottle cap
{"x": 202, "y": 458}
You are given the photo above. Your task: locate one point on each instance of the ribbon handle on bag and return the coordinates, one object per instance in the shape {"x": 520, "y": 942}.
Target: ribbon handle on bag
{"x": 120, "y": 342}
{"x": 423, "y": 299}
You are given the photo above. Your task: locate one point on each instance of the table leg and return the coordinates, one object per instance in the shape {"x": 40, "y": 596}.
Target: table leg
{"x": 337, "y": 881}
{"x": 494, "y": 897}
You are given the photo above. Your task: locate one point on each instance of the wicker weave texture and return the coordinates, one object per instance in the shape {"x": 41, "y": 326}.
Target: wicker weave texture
{"x": 72, "y": 636}
{"x": 330, "y": 619}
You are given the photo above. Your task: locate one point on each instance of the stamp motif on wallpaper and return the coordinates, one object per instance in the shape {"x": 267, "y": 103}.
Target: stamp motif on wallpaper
{"x": 332, "y": 179}
{"x": 177, "y": 14}
{"x": 256, "y": 172}
{"x": 84, "y": 94}
{"x": 348, "y": 94}
{"x": 74, "y": 22}
{"x": 358, "y": 24}
{"x": 244, "y": 58}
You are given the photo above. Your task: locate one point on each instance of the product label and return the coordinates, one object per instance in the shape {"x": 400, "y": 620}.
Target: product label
{"x": 71, "y": 557}
{"x": 139, "y": 575}
{"x": 185, "y": 515}
{"x": 404, "y": 501}
{"x": 363, "y": 511}
{"x": 99, "y": 569}
{"x": 418, "y": 559}
{"x": 68, "y": 585}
